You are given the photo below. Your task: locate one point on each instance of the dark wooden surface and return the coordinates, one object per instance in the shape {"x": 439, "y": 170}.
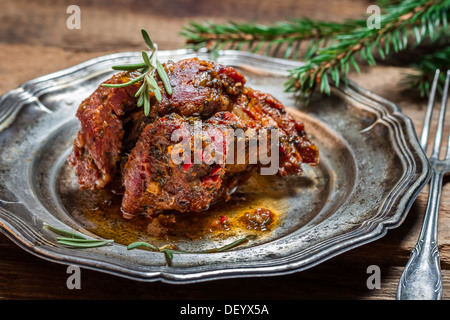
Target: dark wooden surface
{"x": 34, "y": 41}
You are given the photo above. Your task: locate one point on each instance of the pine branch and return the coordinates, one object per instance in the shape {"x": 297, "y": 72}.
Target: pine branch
{"x": 284, "y": 36}
{"x": 420, "y": 18}
{"x": 426, "y": 67}
{"x": 333, "y": 48}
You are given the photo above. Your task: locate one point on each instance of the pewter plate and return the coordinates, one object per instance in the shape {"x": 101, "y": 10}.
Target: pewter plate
{"x": 370, "y": 172}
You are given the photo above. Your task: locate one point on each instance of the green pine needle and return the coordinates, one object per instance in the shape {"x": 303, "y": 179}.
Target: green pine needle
{"x": 426, "y": 67}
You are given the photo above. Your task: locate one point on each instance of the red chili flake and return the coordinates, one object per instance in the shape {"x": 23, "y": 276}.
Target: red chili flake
{"x": 299, "y": 126}
{"x": 210, "y": 179}
{"x": 282, "y": 149}
{"x": 215, "y": 170}
{"x": 187, "y": 166}
{"x": 223, "y": 219}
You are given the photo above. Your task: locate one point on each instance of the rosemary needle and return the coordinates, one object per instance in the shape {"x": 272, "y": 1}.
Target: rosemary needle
{"x": 147, "y": 40}
{"x": 165, "y": 79}
{"x": 142, "y": 244}
{"x": 86, "y": 244}
{"x": 152, "y": 247}
{"x": 169, "y": 256}
{"x": 129, "y": 67}
{"x": 64, "y": 233}
{"x": 119, "y": 85}
{"x": 151, "y": 82}
{"x": 230, "y": 246}
{"x": 81, "y": 240}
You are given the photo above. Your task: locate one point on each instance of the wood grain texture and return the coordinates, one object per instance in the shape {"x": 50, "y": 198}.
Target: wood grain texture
{"x": 34, "y": 41}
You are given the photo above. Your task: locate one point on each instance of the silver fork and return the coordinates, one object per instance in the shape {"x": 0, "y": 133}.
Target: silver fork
{"x": 421, "y": 278}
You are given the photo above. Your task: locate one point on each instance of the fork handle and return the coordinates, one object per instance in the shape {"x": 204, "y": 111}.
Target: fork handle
{"x": 421, "y": 278}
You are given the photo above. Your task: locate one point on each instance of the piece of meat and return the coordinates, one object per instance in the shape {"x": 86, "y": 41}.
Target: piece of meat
{"x": 162, "y": 174}
{"x": 98, "y": 145}
{"x": 118, "y": 143}
{"x": 200, "y": 89}
{"x": 262, "y": 110}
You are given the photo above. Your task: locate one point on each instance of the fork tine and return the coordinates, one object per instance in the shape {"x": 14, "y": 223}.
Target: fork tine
{"x": 440, "y": 128}
{"x": 427, "y": 122}
{"x": 444, "y": 102}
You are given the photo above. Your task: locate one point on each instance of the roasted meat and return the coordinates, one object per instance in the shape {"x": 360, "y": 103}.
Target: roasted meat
{"x": 98, "y": 145}
{"x": 154, "y": 182}
{"x": 118, "y": 144}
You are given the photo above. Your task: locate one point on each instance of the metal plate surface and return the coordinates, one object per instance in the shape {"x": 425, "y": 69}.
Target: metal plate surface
{"x": 370, "y": 172}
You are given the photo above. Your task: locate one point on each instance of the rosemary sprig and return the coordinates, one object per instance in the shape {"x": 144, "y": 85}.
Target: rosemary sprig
{"x": 148, "y": 69}
{"x": 75, "y": 240}
{"x": 168, "y": 253}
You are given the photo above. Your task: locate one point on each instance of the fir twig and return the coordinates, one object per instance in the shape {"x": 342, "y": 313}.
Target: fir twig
{"x": 419, "y": 17}
{"x": 333, "y": 48}
{"x": 426, "y": 67}
{"x": 268, "y": 39}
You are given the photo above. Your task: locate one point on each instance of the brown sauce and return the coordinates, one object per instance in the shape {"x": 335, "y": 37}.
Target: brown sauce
{"x": 256, "y": 208}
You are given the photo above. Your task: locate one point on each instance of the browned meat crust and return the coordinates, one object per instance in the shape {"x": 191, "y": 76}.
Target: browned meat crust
{"x": 261, "y": 110}
{"x": 200, "y": 89}
{"x": 98, "y": 145}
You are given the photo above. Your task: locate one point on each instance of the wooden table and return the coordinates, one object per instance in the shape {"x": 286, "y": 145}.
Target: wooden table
{"x": 35, "y": 41}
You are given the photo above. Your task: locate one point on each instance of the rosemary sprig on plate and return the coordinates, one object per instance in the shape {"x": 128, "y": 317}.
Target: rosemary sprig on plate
{"x": 75, "y": 240}
{"x": 168, "y": 253}
{"x": 148, "y": 68}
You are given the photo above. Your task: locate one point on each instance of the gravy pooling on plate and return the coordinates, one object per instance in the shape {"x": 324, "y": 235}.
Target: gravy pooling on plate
{"x": 256, "y": 208}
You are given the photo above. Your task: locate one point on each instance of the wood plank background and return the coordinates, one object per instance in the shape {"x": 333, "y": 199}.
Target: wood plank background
{"x": 35, "y": 41}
